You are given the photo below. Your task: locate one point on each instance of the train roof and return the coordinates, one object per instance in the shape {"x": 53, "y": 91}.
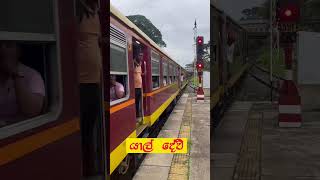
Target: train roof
{"x": 126, "y": 21}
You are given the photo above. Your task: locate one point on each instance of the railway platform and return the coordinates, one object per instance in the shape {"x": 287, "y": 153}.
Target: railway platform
{"x": 248, "y": 144}
{"x": 189, "y": 119}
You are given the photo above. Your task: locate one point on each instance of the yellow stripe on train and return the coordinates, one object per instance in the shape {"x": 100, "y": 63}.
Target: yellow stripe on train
{"x": 157, "y": 145}
{"x": 154, "y": 116}
{"x": 119, "y": 153}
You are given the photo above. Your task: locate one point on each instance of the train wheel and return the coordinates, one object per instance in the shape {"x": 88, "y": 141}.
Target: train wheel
{"x": 175, "y": 101}
{"x": 126, "y": 169}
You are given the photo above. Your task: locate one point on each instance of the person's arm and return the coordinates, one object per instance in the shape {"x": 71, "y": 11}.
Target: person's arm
{"x": 30, "y": 97}
{"x": 142, "y": 72}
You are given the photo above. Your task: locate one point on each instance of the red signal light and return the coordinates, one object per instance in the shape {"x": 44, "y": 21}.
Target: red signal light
{"x": 199, "y": 65}
{"x": 288, "y": 12}
{"x": 199, "y": 40}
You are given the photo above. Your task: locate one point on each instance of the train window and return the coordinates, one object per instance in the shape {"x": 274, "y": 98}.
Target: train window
{"x": 174, "y": 73}
{"x": 177, "y": 74}
{"x": 29, "y": 40}
{"x": 170, "y": 74}
{"x": 119, "y": 89}
{"x": 155, "y": 63}
{"x": 165, "y": 73}
{"x": 37, "y": 16}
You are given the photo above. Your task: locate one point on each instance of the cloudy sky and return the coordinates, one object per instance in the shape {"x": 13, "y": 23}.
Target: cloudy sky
{"x": 234, "y": 7}
{"x": 175, "y": 20}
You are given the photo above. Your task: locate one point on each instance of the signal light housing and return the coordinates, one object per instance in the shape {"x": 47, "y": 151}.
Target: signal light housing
{"x": 288, "y": 11}
{"x": 199, "y": 65}
{"x": 200, "y": 40}
{"x": 199, "y": 47}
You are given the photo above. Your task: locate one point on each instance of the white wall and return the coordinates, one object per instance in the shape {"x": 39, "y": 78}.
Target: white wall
{"x": 308, "y": 46}
{"x": 206, "y": 79}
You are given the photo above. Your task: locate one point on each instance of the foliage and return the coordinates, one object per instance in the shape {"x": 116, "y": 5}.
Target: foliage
{"x": 278, "y": 61}
{"x": 190, "y": 65}
{"x": 310, "y": 9}
{"x": 148, "y": 28}
{"x": 252, "y": 13}
{"x": 206, "y": 57}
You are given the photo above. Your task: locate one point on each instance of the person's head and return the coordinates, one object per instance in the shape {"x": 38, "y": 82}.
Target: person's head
{"x": 112, "y": 79}
{"x": 9, "y": 55}
{"x": 140, "y": 57}
{"x": 86, "y": 7}
{"x": 137, "y": 53}
{"x": 93, "y": 4}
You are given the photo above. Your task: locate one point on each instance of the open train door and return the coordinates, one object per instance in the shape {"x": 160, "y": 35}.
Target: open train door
{"x": 104, "y": 124}
{"x": 140, "y": 52}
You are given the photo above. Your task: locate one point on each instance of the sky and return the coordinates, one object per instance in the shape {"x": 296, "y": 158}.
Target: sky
{"x": 234, "y": 7}
{"x": 175, "y": 20}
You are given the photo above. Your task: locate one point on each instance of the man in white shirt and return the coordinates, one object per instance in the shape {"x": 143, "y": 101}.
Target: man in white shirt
{"x": 22, "y": 89}
{"x": 116, "y": 89}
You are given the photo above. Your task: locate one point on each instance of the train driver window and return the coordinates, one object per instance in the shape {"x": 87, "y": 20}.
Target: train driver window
{"x": 119, "y": 85}
{"x": 155, "y": 62}
{"x": 165, "y": 73}
{"x": 30, "y": 88}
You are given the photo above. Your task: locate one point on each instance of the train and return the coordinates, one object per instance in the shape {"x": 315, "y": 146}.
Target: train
{"x": 229, "y": 62}
{"x": 48, "y": 146}
{"x": 163, "y": 80}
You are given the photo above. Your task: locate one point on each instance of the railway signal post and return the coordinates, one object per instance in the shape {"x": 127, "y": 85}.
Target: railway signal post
{"x": 288, "y": 14}
{"x": 200, "y": 66}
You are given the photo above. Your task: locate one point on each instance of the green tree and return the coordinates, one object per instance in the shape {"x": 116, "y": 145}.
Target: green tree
{"x": 148, "y": 28}
{"x": 252, "y": 13}
{"x": 205, "y": 57}
{"x": 190, "y": 65}
{"x": 311, "y": 15}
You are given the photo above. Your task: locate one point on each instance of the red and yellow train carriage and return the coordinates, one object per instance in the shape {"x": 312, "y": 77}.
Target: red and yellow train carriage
{"x": 161, "y": 79}
{"x": 48, "y": 146}
{"x": 226, "y": 72}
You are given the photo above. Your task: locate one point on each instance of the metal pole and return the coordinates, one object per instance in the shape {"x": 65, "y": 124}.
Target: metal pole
{"x": 271, "y": 46}
{"x": 278, "y": 50}
{"x": 195, "y": 53}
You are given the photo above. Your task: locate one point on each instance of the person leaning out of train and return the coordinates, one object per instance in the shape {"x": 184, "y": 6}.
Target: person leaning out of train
{"x": 138, "y": 59}
{"x": 164, "y": 82}
{"x": 116, "y": 89}
{"x": 89, "y": 79}
{"x": 22, "y": 88}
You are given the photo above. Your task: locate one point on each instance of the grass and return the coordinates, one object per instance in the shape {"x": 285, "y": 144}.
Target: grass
{"x": 278, "y": 61}
{"x": 235, "y": 66}
{"x": 195, "y": 81}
